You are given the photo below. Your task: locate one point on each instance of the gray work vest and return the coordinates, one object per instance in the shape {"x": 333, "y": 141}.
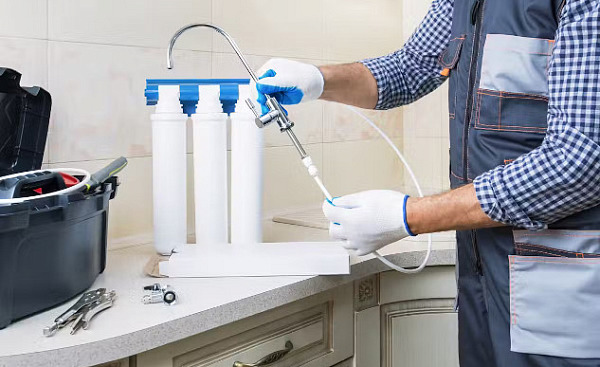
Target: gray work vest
{"x": 522, "y": 295}
{"x": 498, "y": 60}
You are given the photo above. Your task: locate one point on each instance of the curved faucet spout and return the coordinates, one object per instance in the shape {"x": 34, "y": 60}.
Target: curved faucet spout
{"x": 220, "y": 31}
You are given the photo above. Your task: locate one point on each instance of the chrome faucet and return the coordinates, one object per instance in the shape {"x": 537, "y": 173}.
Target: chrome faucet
{"x": 276, "y": 112}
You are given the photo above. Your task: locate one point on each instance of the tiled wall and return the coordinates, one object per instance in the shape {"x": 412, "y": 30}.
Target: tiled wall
{"x": 426, "y": 140}
{"x": 94, "y": 56}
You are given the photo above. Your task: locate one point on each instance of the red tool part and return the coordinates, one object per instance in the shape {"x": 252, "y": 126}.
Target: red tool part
{"x": 69, "y": 181}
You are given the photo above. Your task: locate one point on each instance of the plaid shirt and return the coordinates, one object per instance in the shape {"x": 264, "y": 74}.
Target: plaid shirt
{"x": 560, "y": 177}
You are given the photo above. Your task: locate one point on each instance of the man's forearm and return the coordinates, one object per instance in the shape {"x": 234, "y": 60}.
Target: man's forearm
{"x": 351, "y": 84}
{"x": 453, "y": 210}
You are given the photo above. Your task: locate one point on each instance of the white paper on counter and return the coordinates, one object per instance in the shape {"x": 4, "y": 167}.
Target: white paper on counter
{"x": 256, "y": 260}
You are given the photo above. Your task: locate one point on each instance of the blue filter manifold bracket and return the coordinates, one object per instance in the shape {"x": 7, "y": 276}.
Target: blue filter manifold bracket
{"x": 188, "y": 92}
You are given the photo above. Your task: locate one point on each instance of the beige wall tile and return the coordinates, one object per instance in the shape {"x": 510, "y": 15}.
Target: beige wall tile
{"x": 271, "y": 27}
{"x": 361, "y": 165}
{"x": 149, "y": 23}
{"x": 341, "y": 124}
{"x": 228, "y": 65}
{"x": 425, "y": 155}
{"x": 23, "y": 18}
{"x": 28, "y": 57}
{"x": 358, "y": 29}
{"x": 99, "y": 106}
{"x": 423, "y": 118}
{"x": 286, "y": 181}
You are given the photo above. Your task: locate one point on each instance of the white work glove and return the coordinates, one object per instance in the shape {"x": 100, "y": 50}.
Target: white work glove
{"x": 290, "y": 82}
{"x": 368, "y": 220}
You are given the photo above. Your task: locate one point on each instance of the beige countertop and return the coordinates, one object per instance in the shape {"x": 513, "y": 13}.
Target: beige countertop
{"x": 130, "y": 327}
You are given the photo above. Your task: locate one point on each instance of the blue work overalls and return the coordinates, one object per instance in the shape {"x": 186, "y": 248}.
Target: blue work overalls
{"x": 525, "y": 298}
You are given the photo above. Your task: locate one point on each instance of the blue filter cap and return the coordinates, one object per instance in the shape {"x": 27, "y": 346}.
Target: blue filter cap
{"x": 188, "y": 92}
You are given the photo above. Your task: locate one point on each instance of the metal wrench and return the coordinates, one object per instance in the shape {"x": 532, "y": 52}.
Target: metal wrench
{"x": 74, "y": 311}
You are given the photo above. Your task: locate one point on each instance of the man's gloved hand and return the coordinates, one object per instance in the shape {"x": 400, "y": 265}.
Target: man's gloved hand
{"x": 368, "y": 220}
{"x": 290, "y": 82}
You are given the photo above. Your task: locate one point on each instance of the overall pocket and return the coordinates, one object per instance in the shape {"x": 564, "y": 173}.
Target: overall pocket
{"x": 513, "y": 90}
{"x": 448, "y": 60}
{"x": 555, "y": 293}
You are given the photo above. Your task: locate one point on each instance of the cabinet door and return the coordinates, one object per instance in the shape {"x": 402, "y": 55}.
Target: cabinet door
{"x": 419, "y": 333}
{"x": 419, "y": 327}
{"x": 315, "y": 332}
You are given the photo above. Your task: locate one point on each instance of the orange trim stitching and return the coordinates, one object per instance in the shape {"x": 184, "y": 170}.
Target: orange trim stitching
{"x": 558, "y": 260}
{"x": 457, "y": 176}
{"x": 514, "y": 97}
{"x": 477, "y": 110}
{"x": 508, "y": 161}
{"x": 564, "y": 235}
{"x": 511, "y": 130}
{"x": 522, "y": 250}
{"x": 508, "y": 94}
{"x": 499, "y": 111}
{"x": 513, "y": 302}
{"x": 456, "y": 52}
{"x": 521, "y": 245}
{"x": 500, "y": 94}
{"x": 481, "y": 46}
{"x": 517, "y": 127}
{"x": 502, "y": 126}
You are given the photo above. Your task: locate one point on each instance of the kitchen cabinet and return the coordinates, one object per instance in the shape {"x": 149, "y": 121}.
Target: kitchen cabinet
{"x": 314, "y": 332}
{"x": 413, "y": 322}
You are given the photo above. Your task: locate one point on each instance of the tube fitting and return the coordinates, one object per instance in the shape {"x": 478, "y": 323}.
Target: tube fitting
{"x": 312, "y": 169}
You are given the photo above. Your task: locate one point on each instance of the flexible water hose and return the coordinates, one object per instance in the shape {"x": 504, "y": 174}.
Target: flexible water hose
{"x": 314, "y": 173}
{"x": 416, "y": 183}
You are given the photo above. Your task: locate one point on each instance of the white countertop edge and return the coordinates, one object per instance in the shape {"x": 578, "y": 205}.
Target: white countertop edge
{"x": 123, "y": 346}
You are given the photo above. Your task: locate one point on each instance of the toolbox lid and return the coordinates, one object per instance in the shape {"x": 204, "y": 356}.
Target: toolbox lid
{"x": 24, "y": 118}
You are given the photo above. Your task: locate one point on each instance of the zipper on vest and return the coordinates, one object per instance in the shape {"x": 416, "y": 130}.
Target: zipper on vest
{"x": 475, "y": 11}
{"x": 560, "y": 8}
{"x": 478, "y": 267}
{"x": 476, "y": 14}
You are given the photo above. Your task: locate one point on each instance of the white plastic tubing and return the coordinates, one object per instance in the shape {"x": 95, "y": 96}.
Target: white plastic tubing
{"x": 416, "y": 183}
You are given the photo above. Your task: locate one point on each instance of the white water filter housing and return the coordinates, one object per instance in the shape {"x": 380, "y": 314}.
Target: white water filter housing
{"x": 169, "y": 171}
{"x": 247, "y": 143}
{"x": 210, "y": 168}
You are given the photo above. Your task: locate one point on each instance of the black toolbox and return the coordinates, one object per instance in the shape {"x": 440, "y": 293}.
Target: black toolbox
{"x": 51, "y": 249}
{"x": 24, "y": 119}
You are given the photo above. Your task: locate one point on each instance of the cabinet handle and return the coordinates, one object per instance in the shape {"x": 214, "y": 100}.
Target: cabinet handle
{"x": 269, "y": 358}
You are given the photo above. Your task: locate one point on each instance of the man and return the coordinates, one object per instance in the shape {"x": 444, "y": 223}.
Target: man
{"x": 525, "y": 132}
